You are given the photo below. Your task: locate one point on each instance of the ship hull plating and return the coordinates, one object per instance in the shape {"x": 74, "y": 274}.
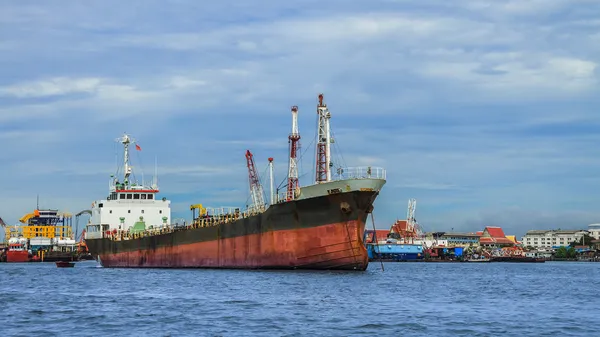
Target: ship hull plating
{"x": 324, "y": 232}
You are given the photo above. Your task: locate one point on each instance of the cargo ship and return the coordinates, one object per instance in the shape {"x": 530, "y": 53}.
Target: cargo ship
{"x": 45, "y": 236}
{"x": 318, "y": 226}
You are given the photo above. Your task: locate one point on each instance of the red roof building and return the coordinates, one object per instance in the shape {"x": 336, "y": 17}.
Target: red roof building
{"x": 380, "y": 234}
{"x": 400, "y": 227}
{"x": 494, "y": 237}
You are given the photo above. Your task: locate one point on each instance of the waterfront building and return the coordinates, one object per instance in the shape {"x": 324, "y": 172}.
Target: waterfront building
{"x": 513, "y": 238}
{"x": 551, "y": 238}
{"x": 376, "y": 236}
{"x": 594, "y": 230}
{"x": 494, "y": 237}
{"x": 457, "y": 239}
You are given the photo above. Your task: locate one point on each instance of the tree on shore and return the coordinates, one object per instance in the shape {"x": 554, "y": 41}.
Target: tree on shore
{"x": 565, "y": 253}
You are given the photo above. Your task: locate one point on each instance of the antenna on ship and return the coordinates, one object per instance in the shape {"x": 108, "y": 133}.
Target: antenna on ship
{"x": 126, "y": 140}
{"x": 323, "y": 143}
{"x": 294, "y": 138}
{"x": 155, "y": 184}
{"x": 271, "y": 180}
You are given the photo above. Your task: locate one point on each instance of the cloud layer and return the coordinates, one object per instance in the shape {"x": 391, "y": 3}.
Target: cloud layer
{"x": 484, "y": 111}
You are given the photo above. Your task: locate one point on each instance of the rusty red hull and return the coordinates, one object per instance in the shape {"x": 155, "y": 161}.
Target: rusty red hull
{"x": 318, "y": 233}
{"x": 323, "y": 247}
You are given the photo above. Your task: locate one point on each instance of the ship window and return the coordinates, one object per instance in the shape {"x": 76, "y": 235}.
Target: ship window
{"x": 128, "y": 195}
{"x": 136, "y": 196}
{"x": 160, "y": 212}
{"x": 150, "y": 196}
{"x": 128, "y": 211}
{"x": 142, "y": 211}
{"x": 143, "y": 196}
{"x": 110, "y": 211}
{"x": 122, "y": 196}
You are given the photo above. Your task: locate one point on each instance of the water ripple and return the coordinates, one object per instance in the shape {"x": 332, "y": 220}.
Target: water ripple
{"x": 415, "y": 299}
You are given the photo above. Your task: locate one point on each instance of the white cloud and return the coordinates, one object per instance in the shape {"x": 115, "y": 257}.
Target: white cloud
{"x": 457, "y": 101}
{"x": 52, "y": 87}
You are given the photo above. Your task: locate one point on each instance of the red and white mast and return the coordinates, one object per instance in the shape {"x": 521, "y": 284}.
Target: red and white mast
{"x": 256, "y": 190}
{"x": 293, "y": 166}
{"x": 323, "y": 143}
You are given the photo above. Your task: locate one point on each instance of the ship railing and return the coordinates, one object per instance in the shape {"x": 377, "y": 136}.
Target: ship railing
{"x": 359, "y": 172}
{"x": 214, "y": 216}
{"x": 221, "y": 215}
{"x": 281, "y": 197}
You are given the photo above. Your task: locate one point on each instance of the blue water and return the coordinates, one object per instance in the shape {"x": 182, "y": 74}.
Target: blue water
{"x": 409, "y": 299}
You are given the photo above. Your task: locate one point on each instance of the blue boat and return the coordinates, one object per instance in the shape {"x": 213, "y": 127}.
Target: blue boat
{"x": 391, "y": 249}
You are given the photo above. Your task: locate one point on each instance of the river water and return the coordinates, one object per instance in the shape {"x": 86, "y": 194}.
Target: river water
{"x": 412, "y": 299}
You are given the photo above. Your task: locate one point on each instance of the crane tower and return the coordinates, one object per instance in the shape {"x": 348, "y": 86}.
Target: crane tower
{"x": 410, "y": 215}
{"x": 293, "y": 166}
{"x": 256, "y": 190}
{"x": 323, "y": 143}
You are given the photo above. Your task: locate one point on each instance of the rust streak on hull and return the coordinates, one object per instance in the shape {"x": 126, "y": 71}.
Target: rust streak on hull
{"x": 310, "y": 248}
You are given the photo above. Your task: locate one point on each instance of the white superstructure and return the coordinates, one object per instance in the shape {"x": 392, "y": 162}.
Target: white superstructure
{"x": 128, "y": 202}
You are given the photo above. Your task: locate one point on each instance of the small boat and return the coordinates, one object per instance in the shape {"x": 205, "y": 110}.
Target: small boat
{"x": 478, "y": 260}
{"x": 65, "y": 264}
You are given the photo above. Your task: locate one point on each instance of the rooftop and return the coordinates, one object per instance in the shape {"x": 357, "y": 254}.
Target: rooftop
{"x": 554, "y": 231}
{"x": 538, "y": 232}
{"x": 493, "y": 234}
{"x": 460, "y": 234}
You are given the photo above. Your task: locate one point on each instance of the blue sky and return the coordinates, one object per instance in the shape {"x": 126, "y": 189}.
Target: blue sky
{"x": 486, "y": 112}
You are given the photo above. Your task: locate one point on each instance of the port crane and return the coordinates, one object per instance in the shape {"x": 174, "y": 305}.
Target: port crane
{"x": 88, "y": 212}
{"x": 256, "y": 189}
{"x": 6, "y": 229}
{"x": 412, "y": 225}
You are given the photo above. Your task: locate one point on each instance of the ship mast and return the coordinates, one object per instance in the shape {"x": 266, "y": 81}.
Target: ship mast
{"x": 272, "y": 196}
{"x": 126, "y": 140}
{"x": 256, "y": 190}
{"x": 323, "y": 143}
{"x": 294, "y": 138}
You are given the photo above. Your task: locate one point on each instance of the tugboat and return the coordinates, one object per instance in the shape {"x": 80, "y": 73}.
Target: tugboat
{"x": 17, "y": 250}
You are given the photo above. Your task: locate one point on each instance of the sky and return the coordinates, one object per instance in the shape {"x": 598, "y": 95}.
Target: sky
{"x": 485, "y": 112}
